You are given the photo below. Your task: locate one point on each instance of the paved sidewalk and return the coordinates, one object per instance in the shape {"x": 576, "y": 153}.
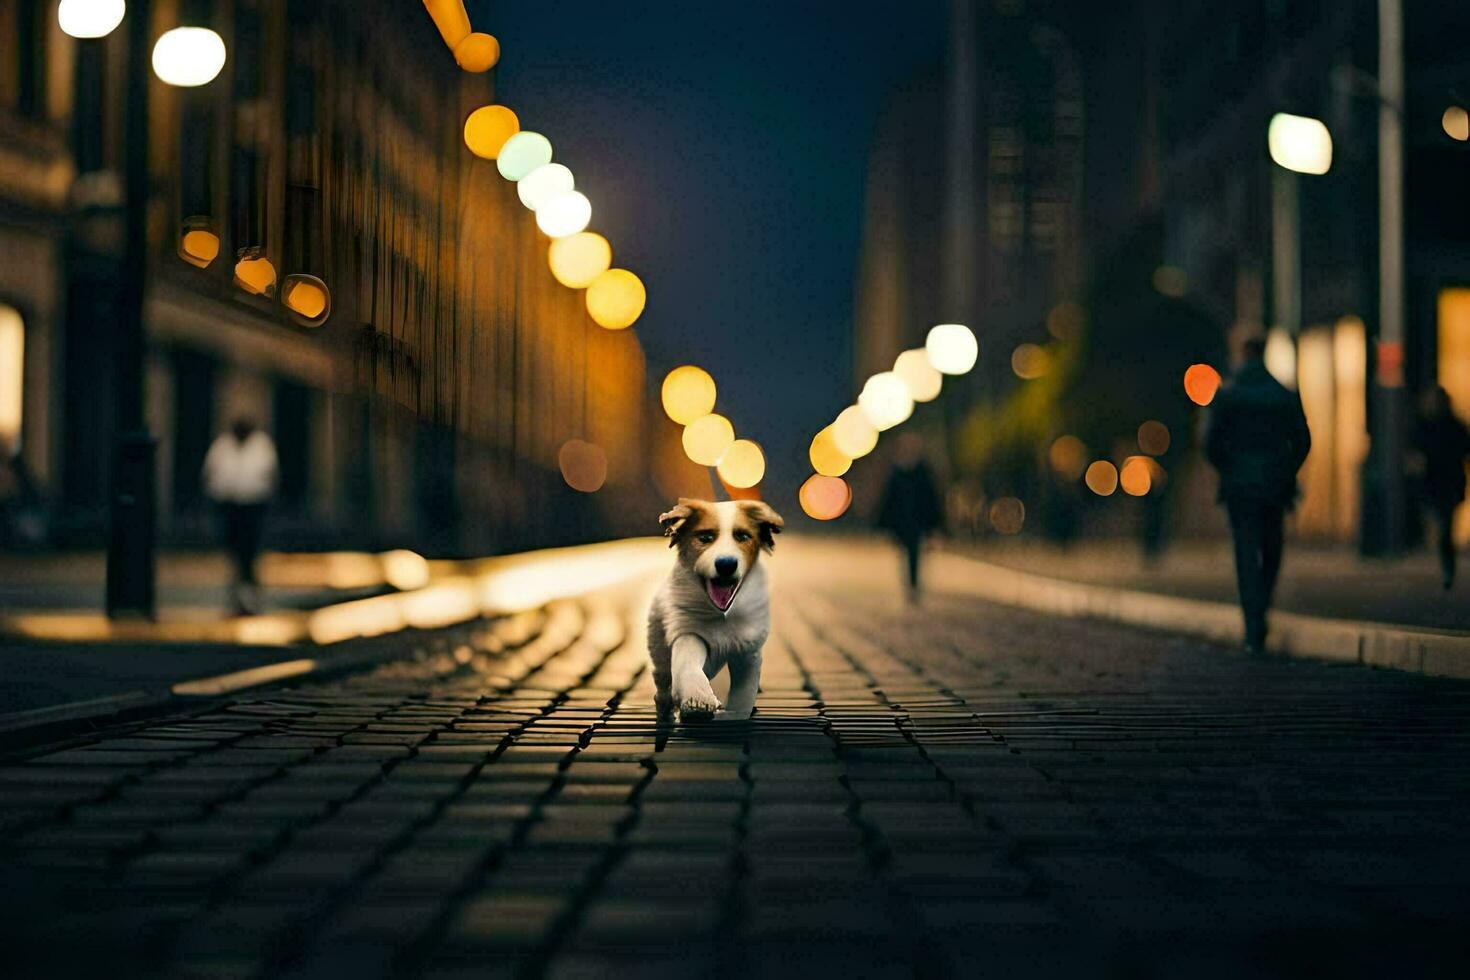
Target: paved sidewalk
{"x": 957, "y": 790}
{"x": 193, "y": 586}
{"x": 59, "y": 653}
{"x": 1336, "y": 583}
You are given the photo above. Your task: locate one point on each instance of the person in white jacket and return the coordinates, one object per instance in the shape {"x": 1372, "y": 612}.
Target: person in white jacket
{"x": 240, "y": 472}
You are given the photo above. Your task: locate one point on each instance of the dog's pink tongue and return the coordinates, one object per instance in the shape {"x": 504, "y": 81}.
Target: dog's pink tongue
{"x": 721, "y": 595}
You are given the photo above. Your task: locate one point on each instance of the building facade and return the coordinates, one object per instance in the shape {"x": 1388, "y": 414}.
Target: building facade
{"x": 326, "y": 258}
{"x": 1111, "y": 166}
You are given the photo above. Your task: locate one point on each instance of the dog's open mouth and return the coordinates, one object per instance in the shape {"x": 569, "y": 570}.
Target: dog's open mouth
{"x": 722, "y": 592}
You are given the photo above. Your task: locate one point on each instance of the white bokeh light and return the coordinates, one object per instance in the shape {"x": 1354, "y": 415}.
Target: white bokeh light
{"x": 952, "y": 348}
{"x": 1300, "y": 143}
{"x": 565, "y": 214}
{"x": 853, "y": 434}
{"x": 90, "y": 18}
{"x": 924, "y": 383}
{"x": 886, "y": 400}
{"x": 544, "y": 183}
{"x": 188, "y": 56}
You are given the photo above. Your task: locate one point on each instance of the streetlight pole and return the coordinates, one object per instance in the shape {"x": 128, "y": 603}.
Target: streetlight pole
{"x": 1388, "y": 429}
{"x": 130, "y": 546}
{"x": 1286, "y": 258}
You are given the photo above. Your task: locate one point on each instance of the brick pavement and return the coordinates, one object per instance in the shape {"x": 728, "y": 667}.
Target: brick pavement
{"x": 963, "y": 790}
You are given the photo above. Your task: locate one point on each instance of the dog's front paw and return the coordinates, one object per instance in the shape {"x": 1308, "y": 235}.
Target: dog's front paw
{"x": 699, "y": 707}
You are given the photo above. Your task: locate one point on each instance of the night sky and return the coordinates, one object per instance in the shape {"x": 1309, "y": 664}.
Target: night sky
{"x": 724, "y": 148}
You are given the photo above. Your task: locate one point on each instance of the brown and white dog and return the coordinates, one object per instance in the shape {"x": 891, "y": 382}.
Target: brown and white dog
{"x": 713, "y": 610}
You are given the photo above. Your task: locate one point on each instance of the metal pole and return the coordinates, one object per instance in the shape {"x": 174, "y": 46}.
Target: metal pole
{"x": 961, "y": 264}
{"x": 130, "y": 545}
{"x": 1286, "y": 258}
{"x": 1389, "y": 403}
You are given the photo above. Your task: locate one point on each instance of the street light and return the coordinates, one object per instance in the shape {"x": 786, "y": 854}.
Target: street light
{"x": 688, "y": 393}
{"x": 523, "y": 153}
{"x": 188, "y": 57}
{"x": 565, "y": 214}
{"x": 826, "y": 458}
{"x": 923, "y": 381}
{"x": 488, "y": 128}
{"x": 615, "y": 300}
{"x": 825, "y": 498}
{"x": 951, "y": 348}
{"x": 1299, "y": 143}
{"x": 577, "y": 260}
{"x": 451, "y": 19}
{"x": 707, "y": 438}
{"x": 477, "y": 53}
{"x": 84, "y": 19}
{"x": 743, "y": 465}
{"x": 886, "y": 401}
{"x": 544, "y": 183}
{"x": 852, "y": 433}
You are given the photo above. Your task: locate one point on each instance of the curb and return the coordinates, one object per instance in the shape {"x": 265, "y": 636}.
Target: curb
{"x": 70, "y": 712}
{"x": 1440, "y": 653}
{"x": 20, "y": 727}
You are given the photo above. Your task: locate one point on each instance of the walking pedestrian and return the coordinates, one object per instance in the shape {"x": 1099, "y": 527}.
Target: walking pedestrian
{"x": 1257, "y": 440}
{"x": 1444, "y": 442}
{"x": 910, "y": 508}
{"x": 240, "y": 477}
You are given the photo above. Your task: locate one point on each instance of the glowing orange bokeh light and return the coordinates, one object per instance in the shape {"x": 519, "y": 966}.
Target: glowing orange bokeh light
{"x": 477, "y": 53}
{"x": 825, "y": 498}
{"x": 1102, "y": 478}
{"x": 199, "y": 247}
{"x": 487, "y": 129}
{"x": 1137, "y": 476}
{"x": 1201, "y": 382}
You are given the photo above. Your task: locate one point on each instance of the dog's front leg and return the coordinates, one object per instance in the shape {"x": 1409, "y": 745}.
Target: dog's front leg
{"x": 693, "y": 696}
{"x": 745, "y": 683}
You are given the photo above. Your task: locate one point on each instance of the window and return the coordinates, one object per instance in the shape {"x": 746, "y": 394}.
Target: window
{"x": 12, "y": 378}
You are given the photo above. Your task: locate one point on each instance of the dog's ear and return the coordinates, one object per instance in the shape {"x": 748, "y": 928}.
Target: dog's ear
{"x": 766, "y": 518}
{"x": 674, "y": 519}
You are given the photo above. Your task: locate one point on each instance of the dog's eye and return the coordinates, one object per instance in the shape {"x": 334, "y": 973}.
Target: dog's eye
{"x": 706, "y": 537}
{"x": 742, "y": 535}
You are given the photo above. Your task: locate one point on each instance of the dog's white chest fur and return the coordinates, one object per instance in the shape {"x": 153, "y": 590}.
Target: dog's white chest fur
{"x": 682, "y": 608}
{"x": 713, "y": 611}
{"x": 689, "y": 641}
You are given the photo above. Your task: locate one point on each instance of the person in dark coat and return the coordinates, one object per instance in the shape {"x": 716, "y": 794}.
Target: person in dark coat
{"x": 910, "y": 507}
{"x": 1257, "y": 440}
{"x": 1444, "y": 442}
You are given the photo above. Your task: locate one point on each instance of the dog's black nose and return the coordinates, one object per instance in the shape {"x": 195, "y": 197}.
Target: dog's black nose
{"x": 725, "y": 566}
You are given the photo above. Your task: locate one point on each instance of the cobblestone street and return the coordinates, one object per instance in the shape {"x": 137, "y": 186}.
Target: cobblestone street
{"x": 956, "y": 790}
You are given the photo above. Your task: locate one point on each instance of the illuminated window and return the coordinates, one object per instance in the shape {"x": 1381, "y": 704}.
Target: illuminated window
{"x": 1453, "y": 368}
{"x": 1453, "y": 371}
{"x": 12, "y": 376}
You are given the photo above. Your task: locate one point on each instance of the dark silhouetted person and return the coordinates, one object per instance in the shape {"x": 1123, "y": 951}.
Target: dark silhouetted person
{"x": 1257, "y": 440}
{"x": 1444, "y": 442}
{"x": 910, "y": 508}
{"x": 240, "y": 477}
